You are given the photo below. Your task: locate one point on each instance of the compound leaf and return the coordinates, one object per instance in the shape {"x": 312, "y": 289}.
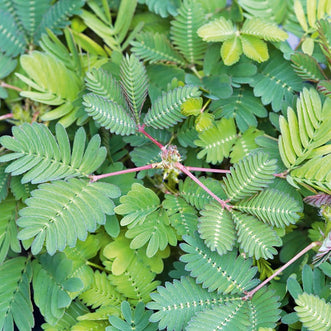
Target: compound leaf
{"x": 41, "y": 156}
{"x": 47, "y": 216}
{"x": 227, "y": 274}
{"x": 250, "y": 175}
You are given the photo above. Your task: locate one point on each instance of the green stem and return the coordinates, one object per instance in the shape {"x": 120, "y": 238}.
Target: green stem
{"x": 95, "y": 265}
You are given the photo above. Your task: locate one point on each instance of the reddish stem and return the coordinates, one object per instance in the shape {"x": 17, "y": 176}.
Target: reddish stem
{"x": 221, "y": 171}
{"x": 12, "y": 87}
{"x": 195, "y": 179}
{"x": 4, "y": 117}
{"x": 278, "y": 271}
{"x": 121, "y": 172}
{"x": 142, "y": 130}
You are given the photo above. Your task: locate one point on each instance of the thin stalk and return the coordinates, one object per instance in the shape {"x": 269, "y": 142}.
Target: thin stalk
{"x": 195, "y": 179}
{"x": 94, "y": 178}
{"x": 142, "y": 130}
{"x": 12, "y": 87}
{"x": 277, "y": 272}
{"x": 4, "y": 117}
{"x": 95, "y": 266}
{"x": 221, "y": 171}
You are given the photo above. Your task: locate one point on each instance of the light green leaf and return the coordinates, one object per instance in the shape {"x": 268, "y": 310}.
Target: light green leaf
{"x": 231, "y": 51}
{"x": 254, "y": 48}
{"x": 220, "y": 29}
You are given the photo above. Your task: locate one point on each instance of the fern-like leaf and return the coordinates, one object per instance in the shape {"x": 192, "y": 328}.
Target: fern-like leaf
{"x": 12, "y": 41}
{"x": 57, "y": 16}
{"x": 8, "y": 228}
{"x": 137, "y": 205}
{"x": 184, "y": 28}
{"x": 263, "y": 30}
{"x": 195, "y": 195}
{"x": 155, "y": 48}
{"x": 137, "y": 319}
{"x": 313, "y": 312}
{"x": 307, "y": 67}
{"x": 15, "y": 301}
{"x": 4, "y": 181}
{"x": 103, "y": 84}
{"x": 19, "y": 190}
{"x": 48, "y": 218}
{"x": 134, "y": 285}
{"x": 227, "y": 317}
{"x": 177, "y": 302}
{"x": 52, "y": 284}
{"x": 217, "y": 141}
{"x": 182, "y": 216}
{"x": 101, "y": 292}
{"x": 216, "y": 228}
{"x": 273, "y": 207}
{"x": 41, "y": 156}
{"x": 166, "y": 111}
{"x": 316, "y": 173}
{"x": 30, "y": 14}
{"x": 227, "y": 274}
{"x": 276, "y": 83}
{"x": 164, "y": 8}
{"x": 303, "y": 133}
{"x": 109, "y": 114}
{"x": 7, "y": 65}
{"x": 156, "y": 231}
{"x": 256, "y": 238}
{"x": 134, "y": 82}
{"x": 249, "y": 175}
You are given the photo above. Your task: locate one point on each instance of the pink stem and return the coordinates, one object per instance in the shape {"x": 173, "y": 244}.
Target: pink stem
{"x": 142, "y": 130}
{"x": 278, "y": 271}
{"x": 188, "y": 173}
{"x": 4, "y": 117}
{"x": 12, "y": 87}
{"x": 121, "y": 172}
{"x": 208, "y": 170}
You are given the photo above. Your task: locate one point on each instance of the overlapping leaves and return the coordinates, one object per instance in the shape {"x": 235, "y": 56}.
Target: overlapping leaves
{"x": 41, "y": 156}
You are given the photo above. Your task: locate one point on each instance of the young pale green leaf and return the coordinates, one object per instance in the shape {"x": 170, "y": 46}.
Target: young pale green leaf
{"x": 217, "y": 141}
{"x": 308, "y": 46}
{"x": 41, "y": 156}
{"x": 137, "y": 205}
{"x": 313, "y": 312}
{"x": 220, "y": 29}
{"x": 263, "y": 30}
{"x": 249, "y": 175}
{"x": 191, "y": 106}
{"x": 256, "y": 238}
{"x": 216, "y": 228}
{"x": 231, "y": 51}
{"x": 227, "y": 274}
{"x": 254, "y": 48}
{"x": 300, "y": 14}
{"x": 48, "y": 218}
{"x": 15, "y": 300}
{"x": 156, "y": 231}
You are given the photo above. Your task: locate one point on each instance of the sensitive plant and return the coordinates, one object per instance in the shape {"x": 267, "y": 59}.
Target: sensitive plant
{"x": 165, "y": 165}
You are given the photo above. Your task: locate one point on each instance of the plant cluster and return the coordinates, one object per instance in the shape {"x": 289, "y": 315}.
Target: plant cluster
{"x": 165, "y": 164}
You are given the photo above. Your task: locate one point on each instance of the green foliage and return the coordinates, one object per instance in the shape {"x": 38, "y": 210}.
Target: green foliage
{"x": 48, "y": 157}
{"x": 15, "y": 303}
{"x": 92, "y": 89}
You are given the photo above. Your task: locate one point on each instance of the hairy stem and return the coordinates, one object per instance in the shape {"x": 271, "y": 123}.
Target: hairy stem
{"x": 195, "y": 179}
{"x": 278, "y": 271}
{"x": 221, "y": 171}
{"x": 141, "y": 129}
{"x": 94, "y": 178}
{"x": 4, "y": 117}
